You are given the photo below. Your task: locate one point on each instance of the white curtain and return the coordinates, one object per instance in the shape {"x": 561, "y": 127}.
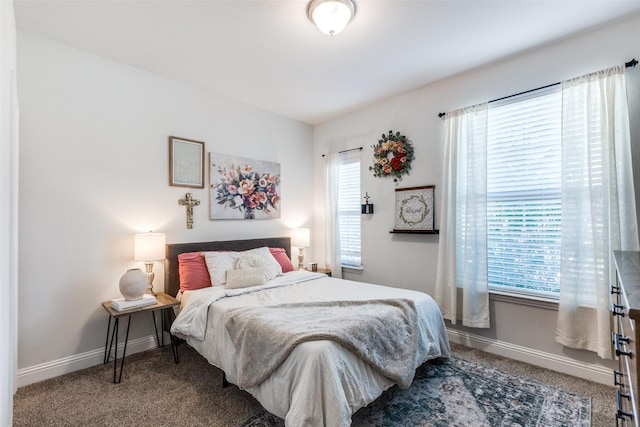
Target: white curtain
{"x": 8, "y": 210}
{"x": 462, "y": 254}
{"x": 332, "y": 232}
{"x": 598, "y": 205}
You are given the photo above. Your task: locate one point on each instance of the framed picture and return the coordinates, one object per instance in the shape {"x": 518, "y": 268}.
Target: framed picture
{"x": 414, "y": 209}
{"x": 186, "y": 162}
{"x": 242, "y": 188}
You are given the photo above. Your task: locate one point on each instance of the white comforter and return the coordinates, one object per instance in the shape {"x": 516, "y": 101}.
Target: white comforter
{"x": 321, "y": 383}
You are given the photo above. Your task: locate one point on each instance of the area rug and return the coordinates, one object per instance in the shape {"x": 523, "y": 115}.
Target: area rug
{"x": 455, "y": 392}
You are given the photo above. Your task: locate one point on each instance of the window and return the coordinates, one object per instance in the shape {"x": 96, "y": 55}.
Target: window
{"x": 524, "y": 165}
{"x": 349, "y": 212}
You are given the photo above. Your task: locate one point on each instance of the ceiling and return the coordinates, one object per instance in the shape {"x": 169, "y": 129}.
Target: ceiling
{"x": 267, "y": 53}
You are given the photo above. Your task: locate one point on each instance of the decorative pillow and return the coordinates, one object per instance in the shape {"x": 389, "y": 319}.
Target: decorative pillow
{"x": 245, "y": 278}
{"x": 251, "y": 260}
{"x": 281, "y": 257}
{"x": 272, "y": 267}
{"x": 193, "y": 271}
{"x": 218, "y": 263}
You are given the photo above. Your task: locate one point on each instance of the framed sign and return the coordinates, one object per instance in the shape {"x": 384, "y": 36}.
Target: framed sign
{"x": 414, "y": 209}
{"x": 186, "y": 162}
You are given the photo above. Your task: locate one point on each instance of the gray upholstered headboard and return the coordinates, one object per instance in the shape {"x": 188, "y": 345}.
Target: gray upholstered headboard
{"x": 171, "y": 276}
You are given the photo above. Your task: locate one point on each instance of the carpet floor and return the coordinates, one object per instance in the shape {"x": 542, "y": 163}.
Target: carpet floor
{"x": 156, "y": 392}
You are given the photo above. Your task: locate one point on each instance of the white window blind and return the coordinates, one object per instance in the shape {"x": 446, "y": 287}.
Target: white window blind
{"x": 349, "y": 212}
{"x": 524, "y": 165}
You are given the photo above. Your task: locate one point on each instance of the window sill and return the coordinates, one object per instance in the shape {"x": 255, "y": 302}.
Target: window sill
{"x": 528, "y": 300}
{"x": 352, "y": 269}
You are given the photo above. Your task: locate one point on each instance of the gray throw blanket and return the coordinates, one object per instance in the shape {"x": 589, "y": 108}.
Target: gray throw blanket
{"x": 383, "y": 333}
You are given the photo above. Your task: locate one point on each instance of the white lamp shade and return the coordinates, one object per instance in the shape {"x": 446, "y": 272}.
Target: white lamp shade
{"x": 301, "y": 237}
{"x": 331, "y": 16}
{"x": 149, "y": 246}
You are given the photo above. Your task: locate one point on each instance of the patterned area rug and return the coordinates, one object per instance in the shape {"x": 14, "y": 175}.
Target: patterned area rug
{"x": 456, "y": 392}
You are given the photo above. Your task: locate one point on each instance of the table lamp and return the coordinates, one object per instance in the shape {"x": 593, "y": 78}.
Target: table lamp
{"x": 300, "y": 238}
{"x": 149, "y": 247}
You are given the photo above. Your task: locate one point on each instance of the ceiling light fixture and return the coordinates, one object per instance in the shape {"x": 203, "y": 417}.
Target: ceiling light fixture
{"x": 331, "y": 16}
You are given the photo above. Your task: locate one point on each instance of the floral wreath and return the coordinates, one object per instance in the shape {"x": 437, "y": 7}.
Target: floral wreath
{"x": 392, "y": 156}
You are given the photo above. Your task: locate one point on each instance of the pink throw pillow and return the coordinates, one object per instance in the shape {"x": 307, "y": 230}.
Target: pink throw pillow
{"x": 193, "y": 271}
{"x": 281, "y": 256}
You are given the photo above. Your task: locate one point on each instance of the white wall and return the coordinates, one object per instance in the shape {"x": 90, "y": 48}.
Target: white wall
{"x": 409, "y": 261}
{"x": 94, "y": 171}
{"x": 8, "y": 210}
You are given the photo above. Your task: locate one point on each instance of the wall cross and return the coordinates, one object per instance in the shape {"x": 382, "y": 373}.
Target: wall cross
{"x": 189, "y": 202}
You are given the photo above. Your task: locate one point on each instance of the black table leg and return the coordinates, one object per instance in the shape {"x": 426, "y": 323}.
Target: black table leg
{"x": 124, "y": 350}
{"x": 115, "y": 350}
{"x": 174, "y": 344}
{"x": 112, "y": 345}
{"x": 106, "y": 355}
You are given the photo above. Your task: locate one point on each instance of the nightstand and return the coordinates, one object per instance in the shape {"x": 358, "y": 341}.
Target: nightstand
{"x": 165, "y": 304}
{"x": 322, "y": 270}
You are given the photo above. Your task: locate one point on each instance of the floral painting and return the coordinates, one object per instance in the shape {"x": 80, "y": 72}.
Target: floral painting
{"x": 243, "y": 188}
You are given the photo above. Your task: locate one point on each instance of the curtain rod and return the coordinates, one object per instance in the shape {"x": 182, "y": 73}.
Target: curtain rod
{"x": 629, "y": 64}
{"x": 346, "y": 151}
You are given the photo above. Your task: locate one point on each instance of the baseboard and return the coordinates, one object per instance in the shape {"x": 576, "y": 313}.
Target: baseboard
{"x": 76, "y": 362}
{"x": 566, "y": 365}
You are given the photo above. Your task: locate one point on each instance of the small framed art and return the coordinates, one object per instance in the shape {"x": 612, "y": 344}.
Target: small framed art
{"x": 186, "y": 162}
{"x": 414, "y": 209}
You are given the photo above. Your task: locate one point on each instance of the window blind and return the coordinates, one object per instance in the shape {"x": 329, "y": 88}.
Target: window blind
{"x": 349, "y": 211}
{"x": 524, "y": 165}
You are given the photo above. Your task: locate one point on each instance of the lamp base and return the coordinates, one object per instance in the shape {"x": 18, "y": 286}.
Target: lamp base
{"x": 150, "y": 276}
{"x": 300, "y": 258}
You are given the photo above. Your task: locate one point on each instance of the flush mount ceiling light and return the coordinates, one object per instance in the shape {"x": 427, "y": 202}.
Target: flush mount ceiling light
{"x": 331, "y": 16}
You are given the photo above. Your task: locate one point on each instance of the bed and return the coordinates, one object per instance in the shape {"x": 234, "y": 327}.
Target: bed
{"x": 318, "y": 381}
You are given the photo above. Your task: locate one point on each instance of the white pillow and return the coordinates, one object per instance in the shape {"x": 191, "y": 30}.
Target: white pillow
{"x": 250, "y": 261}
{"x": 260, "y": 258}
{"x": 245, "y": 278}
{"x": 218, "y": 263}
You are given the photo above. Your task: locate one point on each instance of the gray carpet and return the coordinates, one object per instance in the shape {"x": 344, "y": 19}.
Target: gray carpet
{"x": 156, "y": 392}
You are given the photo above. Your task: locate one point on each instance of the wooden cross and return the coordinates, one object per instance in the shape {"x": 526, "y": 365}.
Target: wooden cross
{"x": 189, "y": 202}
